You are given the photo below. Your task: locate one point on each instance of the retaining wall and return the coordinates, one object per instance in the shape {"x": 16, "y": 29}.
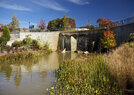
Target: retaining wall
{"x": 50, "y": 37}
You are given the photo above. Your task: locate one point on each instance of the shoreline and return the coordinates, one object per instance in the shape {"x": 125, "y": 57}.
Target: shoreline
{"x": 12, "y": 57}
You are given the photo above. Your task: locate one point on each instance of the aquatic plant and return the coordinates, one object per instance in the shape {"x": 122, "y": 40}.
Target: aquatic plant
{"x": 89, "y": 77}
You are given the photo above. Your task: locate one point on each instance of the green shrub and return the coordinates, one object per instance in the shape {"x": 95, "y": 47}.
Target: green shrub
{"x": 2, "y": 42}
{"x": 7, "y": 47}
{"x": 6, "y": 33}
{"x": 27, "y": 41}
{"x": 45, "y": 45}
{"x": 36, "y": 44}
{"x": 17, "y": 44}
{"x": 131, "y": 37}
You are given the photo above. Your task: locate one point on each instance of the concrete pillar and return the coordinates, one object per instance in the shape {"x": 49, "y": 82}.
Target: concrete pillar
{"x": 73, "y": 44}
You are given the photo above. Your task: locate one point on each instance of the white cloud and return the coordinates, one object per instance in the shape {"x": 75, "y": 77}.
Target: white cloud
{"x": 50, "y": 4}
{"x": 13, "y": 7}
{"x": 79, "y": 2}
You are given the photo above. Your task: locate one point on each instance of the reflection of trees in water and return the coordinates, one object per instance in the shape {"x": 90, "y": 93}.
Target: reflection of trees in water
{"x": 7, "y": 70}
{"x": 66, "y": 56}
{"x": 43, "y": 64}
{"x": 17, "y": 77}
{"x": 0, "y": 68}
{"x": 43, "y": 75}
{"x": 29, "y": 63}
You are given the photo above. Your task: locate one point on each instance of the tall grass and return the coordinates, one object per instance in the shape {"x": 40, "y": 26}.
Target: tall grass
{"x": 22, "y": 55}
{"x": 88, "y": 77}
{"x": 121, "y": 65}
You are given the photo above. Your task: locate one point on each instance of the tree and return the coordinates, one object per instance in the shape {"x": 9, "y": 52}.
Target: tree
{"x": 5, "y": 37}
{"x": 72, "y": 23}
{"x": 105, "y": 22}
{"x": 42, "y": 24}
{"x": 64, "y": 23}
{"x": 108, "y": 40}
{"x": 14, "y": 24}
{"x": 61, "y": 24}
{"x": 6, "y": 33}
{"x": 1, "y": 27}
{"x": 91, "y": 27}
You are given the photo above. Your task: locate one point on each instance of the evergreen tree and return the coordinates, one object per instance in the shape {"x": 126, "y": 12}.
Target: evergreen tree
{"x": 6, "y": 33}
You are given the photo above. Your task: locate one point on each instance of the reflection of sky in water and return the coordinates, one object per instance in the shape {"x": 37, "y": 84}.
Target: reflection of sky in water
{"x": 31, "y": 77}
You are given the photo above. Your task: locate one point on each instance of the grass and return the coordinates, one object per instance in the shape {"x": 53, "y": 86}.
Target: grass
{"x": 121, "y": 65}
{"x": 85, "y": 77}
{"x": 22, "y": 55}
{"x": 97, "y": 74}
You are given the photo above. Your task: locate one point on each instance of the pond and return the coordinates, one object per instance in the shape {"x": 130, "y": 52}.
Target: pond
{"x": 31, "y": 76}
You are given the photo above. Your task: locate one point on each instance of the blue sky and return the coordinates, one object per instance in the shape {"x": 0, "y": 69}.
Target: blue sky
{"x": 80, "y": 10}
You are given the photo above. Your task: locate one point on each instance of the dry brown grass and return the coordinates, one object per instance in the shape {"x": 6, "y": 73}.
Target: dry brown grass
{"x": 121, "y": 64}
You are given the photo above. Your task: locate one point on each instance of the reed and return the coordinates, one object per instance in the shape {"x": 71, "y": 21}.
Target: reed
{"x": 22, "y": 55}
{"x": 121, "y": 65}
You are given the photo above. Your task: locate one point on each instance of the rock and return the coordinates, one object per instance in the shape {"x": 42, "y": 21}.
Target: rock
{"x": 86, "y": 52}
{"x": 79, "y": 51}
{"x": 64, "y": 51}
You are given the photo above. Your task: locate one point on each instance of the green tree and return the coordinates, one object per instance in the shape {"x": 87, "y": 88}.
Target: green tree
{"x": 15, "y": 23}
{"x": 4, "y": 38}
{"x": 6, "y": 33}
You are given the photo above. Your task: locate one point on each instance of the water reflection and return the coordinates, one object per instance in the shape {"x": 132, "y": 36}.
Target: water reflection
{"x": 32, "y": 76}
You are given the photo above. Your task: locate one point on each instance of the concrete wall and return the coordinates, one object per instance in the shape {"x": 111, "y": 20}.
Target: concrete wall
{"x": 50, "y": 37}
{"x": 122, "y": 33}
{"x": 80, "y": 40}
{"x": 73, "y": 44}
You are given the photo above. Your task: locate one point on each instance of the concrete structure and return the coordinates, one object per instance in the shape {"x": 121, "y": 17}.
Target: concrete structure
{"x": 82, "y": 40}
{"x": 50, "y": 37}
{"x": 122, "y": 33}
{"x": 77, "y": 40}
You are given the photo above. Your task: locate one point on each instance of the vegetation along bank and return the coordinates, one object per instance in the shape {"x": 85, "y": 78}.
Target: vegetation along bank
{"x": 97, "y": 74}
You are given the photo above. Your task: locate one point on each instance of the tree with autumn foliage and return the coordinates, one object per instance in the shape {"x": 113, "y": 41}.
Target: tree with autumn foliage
{"x": 1, "y": 27}
{"x": 105, "y": 22}
{"x": 42, "y": 24}
{"x": 14, "y": 25}
{"x": 61, "y": 24}
{"x": 108, "y": 40}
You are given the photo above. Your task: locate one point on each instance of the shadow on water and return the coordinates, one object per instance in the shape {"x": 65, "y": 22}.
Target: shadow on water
{"x": 31, "y": 76}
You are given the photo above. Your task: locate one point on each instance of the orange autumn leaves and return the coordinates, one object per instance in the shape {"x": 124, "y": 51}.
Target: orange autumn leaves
{"x": 108, "y": 40}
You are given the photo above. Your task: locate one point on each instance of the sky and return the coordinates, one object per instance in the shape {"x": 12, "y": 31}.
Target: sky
{"x": 81, "y": 10}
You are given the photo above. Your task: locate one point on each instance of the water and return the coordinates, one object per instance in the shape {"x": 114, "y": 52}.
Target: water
{"x": 32, "y": 76}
